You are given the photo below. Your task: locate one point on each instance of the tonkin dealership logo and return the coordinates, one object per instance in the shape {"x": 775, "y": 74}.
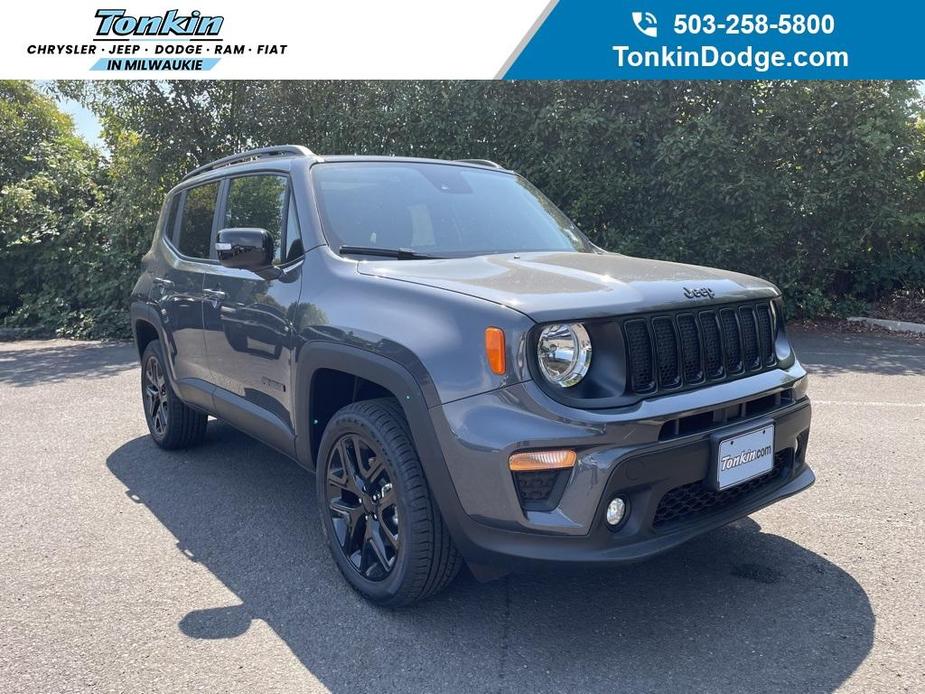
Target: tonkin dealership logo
{"x": 116, "y": 22}
{"x": 169, "y": 42}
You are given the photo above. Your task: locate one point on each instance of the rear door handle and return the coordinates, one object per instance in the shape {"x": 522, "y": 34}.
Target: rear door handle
{"x": 161, "y": 282}
{"x": 216, "y": 294}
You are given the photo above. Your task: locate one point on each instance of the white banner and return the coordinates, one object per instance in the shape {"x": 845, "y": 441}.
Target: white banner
{"x": 360, "y": 39}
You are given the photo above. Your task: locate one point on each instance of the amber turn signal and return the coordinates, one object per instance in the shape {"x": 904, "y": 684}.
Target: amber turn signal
{"x": 494, "y": 349}
{"x": 542, "y": 460}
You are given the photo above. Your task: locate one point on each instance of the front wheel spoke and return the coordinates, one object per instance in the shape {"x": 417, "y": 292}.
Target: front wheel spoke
{"x": 350, "y": 513}
{"x": 342, "y": 483}
{"x": 373, "y": 470}
{"x": 357, "y": 446}
{"x": 350, "y": 518}
{"x": 378, "y": 547}
{"x": 368, "y": 466}
{"x": 340, "y": 480}
{"x": 350, "y": 467}
{"x": 364, "y": 554}
{"x": 387, "y": 500}
{"x": 390, "y": 537}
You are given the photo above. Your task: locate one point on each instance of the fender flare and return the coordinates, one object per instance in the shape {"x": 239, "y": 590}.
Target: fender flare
{"x": 375, "y": 368}
{"x": 410, "y": 395}
{"x": 140, "y": 311}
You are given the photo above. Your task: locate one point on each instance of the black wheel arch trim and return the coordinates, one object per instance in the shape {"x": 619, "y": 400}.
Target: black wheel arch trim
{"x": 375, "y": 368}
{"x": 145, "y": 312}
{"x": 395, "y": 378}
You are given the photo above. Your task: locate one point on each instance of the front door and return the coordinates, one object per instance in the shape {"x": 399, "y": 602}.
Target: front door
{"x": 247, "y": 319}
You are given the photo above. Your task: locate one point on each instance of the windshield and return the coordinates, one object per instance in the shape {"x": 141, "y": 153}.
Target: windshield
{"x": 438, "y": 210}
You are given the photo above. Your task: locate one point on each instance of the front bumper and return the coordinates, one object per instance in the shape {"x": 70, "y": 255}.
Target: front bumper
{"x": 623, "y": 453}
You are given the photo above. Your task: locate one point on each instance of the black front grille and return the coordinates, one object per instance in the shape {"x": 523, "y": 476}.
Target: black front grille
{"x": 732, "y": 344}
{"x": 765, "y": 333}
{"x": 692, "y": 360}
{"x": 673, "y": 350}
{"x": 696, "y": 499}
{"x": 639, "y": 349}
{"x": 666, "y": 350}
{"x": 712, "y": 346}
{"x": 749, "y": 337}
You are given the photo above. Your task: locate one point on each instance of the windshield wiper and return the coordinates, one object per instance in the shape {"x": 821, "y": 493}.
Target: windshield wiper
{"x": 397, "y": 253}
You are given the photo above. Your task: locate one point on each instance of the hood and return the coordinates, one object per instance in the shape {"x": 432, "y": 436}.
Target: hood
{"x": 565, "y": 286}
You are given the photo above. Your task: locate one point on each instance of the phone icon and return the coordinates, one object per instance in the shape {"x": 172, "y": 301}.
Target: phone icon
{"x": 646, "y": 23}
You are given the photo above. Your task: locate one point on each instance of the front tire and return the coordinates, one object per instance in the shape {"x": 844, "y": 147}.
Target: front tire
{"x": 381, "y": 525}
{"x": 171, "y": 422}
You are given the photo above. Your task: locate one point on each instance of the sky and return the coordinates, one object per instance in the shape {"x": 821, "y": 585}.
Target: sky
{"x": 87, "y": 124}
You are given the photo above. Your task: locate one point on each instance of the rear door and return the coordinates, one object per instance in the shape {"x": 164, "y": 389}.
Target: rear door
{"x": 248, "y": 326}
{"x": 178, "y": 287}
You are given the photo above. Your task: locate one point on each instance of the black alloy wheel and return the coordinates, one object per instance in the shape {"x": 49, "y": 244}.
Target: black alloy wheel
{"x": 382, "y": 527}
{"x": 363, "y": 506}
{"x": 157, "y": 402}
{"x": 172, "y": 423}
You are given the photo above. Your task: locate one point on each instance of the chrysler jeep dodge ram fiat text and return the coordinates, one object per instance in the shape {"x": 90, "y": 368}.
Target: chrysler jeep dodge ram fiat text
{"x": 469, "y": 377}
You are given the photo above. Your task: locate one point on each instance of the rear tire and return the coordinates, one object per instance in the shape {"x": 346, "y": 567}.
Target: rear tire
{"x": 381, "y": 525}
{"x": 171, "y": 422}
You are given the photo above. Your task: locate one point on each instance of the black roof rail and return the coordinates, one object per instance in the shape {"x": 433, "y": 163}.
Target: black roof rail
{"x": 260, "y": 153}
{"x": 480, "y": 162}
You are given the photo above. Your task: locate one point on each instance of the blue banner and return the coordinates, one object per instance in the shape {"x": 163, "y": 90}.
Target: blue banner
{"x": 653, "y": 39}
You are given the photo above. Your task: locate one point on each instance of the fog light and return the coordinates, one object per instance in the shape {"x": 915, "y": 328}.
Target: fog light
{"x": 615, "y": 510}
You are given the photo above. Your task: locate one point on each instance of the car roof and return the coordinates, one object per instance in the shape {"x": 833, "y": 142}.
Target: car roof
{"x": 283, "y": 160}
{"x": 475, "y": 163}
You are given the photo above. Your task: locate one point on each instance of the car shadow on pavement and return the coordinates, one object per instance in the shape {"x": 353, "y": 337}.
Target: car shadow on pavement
{"x": 735, "y": 610}
{"x": 35, "y": 362}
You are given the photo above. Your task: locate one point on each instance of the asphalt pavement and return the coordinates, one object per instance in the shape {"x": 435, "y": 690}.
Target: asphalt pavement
{"x": 126, "y": 568}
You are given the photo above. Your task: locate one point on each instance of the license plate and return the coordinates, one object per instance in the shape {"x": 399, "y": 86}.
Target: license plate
{"x": 743, "y": 457}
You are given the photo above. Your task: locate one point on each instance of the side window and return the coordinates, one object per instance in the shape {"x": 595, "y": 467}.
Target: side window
{"x": 170, "y": 218}
{"x": 196, "y": 224}
{"x": 294, "y": 247}
{"x": 258, "y": 201}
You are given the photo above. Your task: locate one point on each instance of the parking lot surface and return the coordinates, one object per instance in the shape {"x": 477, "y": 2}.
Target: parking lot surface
{"x": 127, "y": 568}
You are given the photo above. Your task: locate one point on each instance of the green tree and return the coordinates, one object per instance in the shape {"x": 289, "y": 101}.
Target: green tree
{"x": 49, "y": 199}
{"x": 816, "y": 185}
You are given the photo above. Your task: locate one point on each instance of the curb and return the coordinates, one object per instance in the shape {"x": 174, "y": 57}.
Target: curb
{"x": 898, "y": 326}
{"x": 11, "y": 334}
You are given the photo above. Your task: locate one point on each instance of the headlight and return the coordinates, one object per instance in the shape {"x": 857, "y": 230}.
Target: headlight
{"x": 564, "y": 353}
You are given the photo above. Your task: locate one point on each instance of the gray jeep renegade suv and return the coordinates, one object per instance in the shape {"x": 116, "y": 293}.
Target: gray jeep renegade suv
{"x": 470, "y": 377}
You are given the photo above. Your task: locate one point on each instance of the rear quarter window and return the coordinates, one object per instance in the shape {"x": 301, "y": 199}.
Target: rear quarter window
{"x": 170, "y": 217}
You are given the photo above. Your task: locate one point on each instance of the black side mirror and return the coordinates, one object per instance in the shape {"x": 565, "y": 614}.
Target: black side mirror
{"x": 247, "y": 249}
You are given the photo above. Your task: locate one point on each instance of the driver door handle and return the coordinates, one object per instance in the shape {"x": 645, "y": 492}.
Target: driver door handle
{"x": 215, "y": 294}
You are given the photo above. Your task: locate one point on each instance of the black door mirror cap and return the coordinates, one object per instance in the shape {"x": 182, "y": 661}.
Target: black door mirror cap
{"x": 247, "y": 248}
